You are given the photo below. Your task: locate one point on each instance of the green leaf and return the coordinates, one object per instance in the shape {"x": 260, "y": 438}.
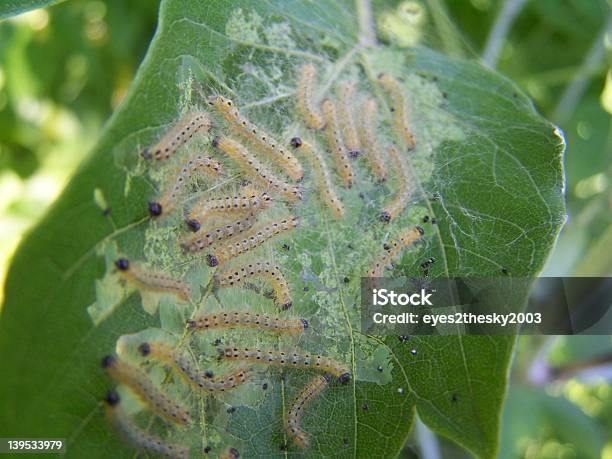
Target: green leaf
{"x": 488, "y": 168}
{"x": 10, "y": 8}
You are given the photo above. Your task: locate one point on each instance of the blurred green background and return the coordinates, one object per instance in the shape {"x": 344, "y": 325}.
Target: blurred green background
{"x": 64, "y": 69}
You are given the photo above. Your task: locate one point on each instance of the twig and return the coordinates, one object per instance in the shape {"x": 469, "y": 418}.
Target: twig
{"x": 367, "y": 31}
{"x": 503, "y": 22}
{"x": 430, "y": 448}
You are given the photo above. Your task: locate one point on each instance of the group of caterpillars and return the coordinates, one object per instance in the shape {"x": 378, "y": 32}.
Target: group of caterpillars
{"x": 347, "y": 137}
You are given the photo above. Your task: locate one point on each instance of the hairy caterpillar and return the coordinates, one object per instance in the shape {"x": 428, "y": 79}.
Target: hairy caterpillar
{"x": 406, "y": 238}
{"x": 200, "y": 380}
{"x": 334, "y": 140}
{"x": 323, "y": 177}
{"x": 152, "y": 281}
{"x": 254, "y": 169}
{"x": 260, "y": 269}
{"x": 347, "y": 122}
{"x": 229, "y": 204}
{"x": 200, "y": 241}
{"x": 137, "y": 436}
{"x": 140, "y": 383}
{"x": 253, "y": 239}
{"x": 240, "y": 319}
{"x": 293, "y": 423}
{"x": 178, "y": 135}
{"x": 306, "y": 105}
{"x": 401, "y": 121}
{"x": 399, "y": 203}
{"x": 279, "y": 358}
{"x": 279, "y": 155}
{"x": 230, "y": 453}
{"x": 168, "y": 201}
{"x": 370, "y": 142}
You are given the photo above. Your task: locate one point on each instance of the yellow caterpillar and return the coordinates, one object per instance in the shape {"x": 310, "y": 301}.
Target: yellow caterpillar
{"x": 392, "y": 249}
{"x": 306, "y": 105}
{"x": 369, "y": 140}
{"x": 155, "y": 282}
{"x": 241, "y": 319}
{"x": 200, "y": 241}
{"x": 401, "y": 120}
{"x": 334, "y": 139}
{"x": 399, "y": 203}
{"x": 293, "y": 422}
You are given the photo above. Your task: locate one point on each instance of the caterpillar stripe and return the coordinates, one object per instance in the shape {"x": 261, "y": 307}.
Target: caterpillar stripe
{"x": 230, "y": 453}
{"x": 305, "y": 97}
{"x": 405, "y": 239}
{"x": 155, "y": 282}
{"x": 347, "y": 122}
{"x": 137, "y": 436}
{"x": 140, "y": 384}
{"x": 267, "y": 270}
{"x": 279, "y": 358}
{"x": 293, "y": 422}
{"x": 230, "y": 204}
{"x": 168, "y": 201}
{"x": 254, "y": 169}
{"x": 239, "y": 319}
{"x": 267, "y": 145}
{"x": 199, "y": 380}
{"x": 200, "y": 241}
{"x": 401, "y": 120}
{"x": 253, "y": 239}
{"x": 370, "y": 142}
{"x": 334, "y": 139}
{"x": 399, "y": 203}
{"x": 178, "y": 135}
{"x": 324, "y": 181}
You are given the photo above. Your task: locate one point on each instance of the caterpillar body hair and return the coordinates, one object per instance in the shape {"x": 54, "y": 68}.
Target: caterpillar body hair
{"x": 205, "y": 381}
{"x": 256, "y": 170}
{"x": 153, "y": 281}
{"x": 325, "y": 185}
{"x": 347, "y": 121}
{"x": 230, "y": 204}
{"x": 266, "y": 270}
{"x": 190, "y": 124}
{"x": 168, "y": 201}
{"x": 293, "y": 422}
{"x": 198, "y": 242}
{"x": 334, "y": 139}
{"x": 137, "y": 436}
{"x": 240, "y": 319}
{"x": 392, "y": 249}
{"x": 401, "y": 120}
{"x": 251, "y": 240}
{"x": 305, "y": 97}
{"x": 265, "y": 143}
{"x": 289, "y": 359}
{"x": 400, "y": 201}
{"x": 369, "y": 140}
{"x": 230, "y": 453}
{"x": 140, "y": 384}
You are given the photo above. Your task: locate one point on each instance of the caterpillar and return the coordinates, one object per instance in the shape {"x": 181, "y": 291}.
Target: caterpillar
{"x": 279, "y": 358}
{"x": 239, "y": 319}
{"x": 168, "y": 201}
{"x": 230, "y": 453}
{"x": 334, "y": 140}
{"x": 399, "y": 203}
{"x": 229, "y": 204}
{"x": 347, "y": 122}
{"x": 401, "y": 121}
{"x": 152, "y": 281}
{"x": 323, "y": 177}
{"x": 261, "y": 269}
{"x": 405, "y": 239}
{"x": 293, "y": 422}
{"x": 254, "y": 169}
{"x": 200, "y": 241}
{"x": 371, "y": 145}
{"x": 306, "y": 106}
{"x": 139, "y": 382}
{"x": 199, "y": 380}
{"x": 191, "y": 123}
{"x": 253, "y": 239}
{"x": 267, "y": 145}
{"x": 137, "y": 436}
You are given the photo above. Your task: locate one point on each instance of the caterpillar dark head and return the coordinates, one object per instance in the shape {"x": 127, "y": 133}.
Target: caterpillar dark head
{"x": 305, "y": 323}
{"x": 215, "y": 141}
{"x": 234, "y": 453}
{"x": 211, "y": 260}
{"x": 385, "y": 217}
{"x": 146, "y": 153}
{"x": 296, "y": 142}
{"x": 193, "y": 225}
{"x": 144, "y": 349}
{"x": 191, "y": 324}
{"x": 155, "y": 209}
{"x": 354, "y": 153}
{"x": 344, "y": 378}
{"x": 112, "y": 398}
{"x": 107, "y": 361}
{"x": 287, "y": 305}
{"x": 209, "y": 374}
{"x": 122, "y": 264}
